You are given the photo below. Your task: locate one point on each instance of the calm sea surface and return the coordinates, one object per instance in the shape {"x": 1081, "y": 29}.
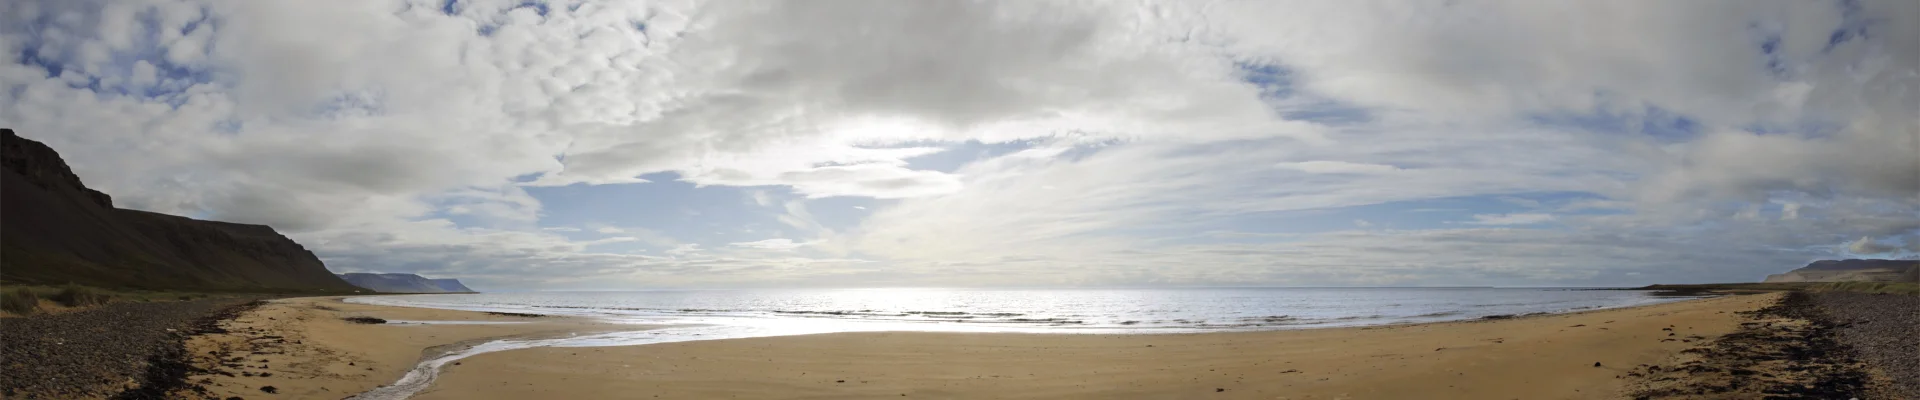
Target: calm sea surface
{"x": 1048, "y": 310}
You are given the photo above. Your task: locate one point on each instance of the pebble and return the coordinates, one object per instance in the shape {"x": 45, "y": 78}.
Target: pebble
{"x": 91, "y": 353}
{"x": 1884, "y": 329}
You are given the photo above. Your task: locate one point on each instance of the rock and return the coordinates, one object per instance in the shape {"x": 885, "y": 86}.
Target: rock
{"x": 1881, "y": 329}
{"x": 58, "y": 231}
{"x": 85, "y": 363}
{"x": 404, "y": 283}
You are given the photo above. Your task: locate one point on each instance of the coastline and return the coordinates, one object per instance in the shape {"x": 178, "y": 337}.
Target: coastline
{"x": 304, "y": 348}
{"x": 313, "y": 354}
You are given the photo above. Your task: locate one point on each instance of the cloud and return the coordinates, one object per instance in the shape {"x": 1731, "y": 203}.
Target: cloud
{"x": 684, "y": 249}
{"x": 1511, "y": 219}
{"x": 609, "y": 229}
{"x": 770, "y": 244}
{"x": 1866, "y": 245}
{"x": 392, "y": 135}
{"x": 1340, "y": 167}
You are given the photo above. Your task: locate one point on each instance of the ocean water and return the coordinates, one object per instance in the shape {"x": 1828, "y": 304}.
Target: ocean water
{"x": 1041, "y": 310}
{"x": 689, "y": 315}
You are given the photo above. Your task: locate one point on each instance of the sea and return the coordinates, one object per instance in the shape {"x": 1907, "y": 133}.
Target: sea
{"x": 665, "y": 316}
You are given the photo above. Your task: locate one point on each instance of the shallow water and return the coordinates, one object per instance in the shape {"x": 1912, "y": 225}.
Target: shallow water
{"x": 691, "y": 315}
{"x": 1050, "y": 310}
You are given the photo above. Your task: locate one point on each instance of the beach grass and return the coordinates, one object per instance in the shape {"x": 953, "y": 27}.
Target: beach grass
{"x": 80, "y": 296}
{"x": 20, "y": 301}
{"x": 1907, "y": 288}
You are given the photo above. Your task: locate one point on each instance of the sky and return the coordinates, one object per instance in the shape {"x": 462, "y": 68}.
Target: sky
{"x": 560, "y": 145}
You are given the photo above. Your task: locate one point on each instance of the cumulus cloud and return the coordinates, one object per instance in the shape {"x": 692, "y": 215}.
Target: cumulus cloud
{"x": 405, "y": 135}
{"x": 1866, "y": 245}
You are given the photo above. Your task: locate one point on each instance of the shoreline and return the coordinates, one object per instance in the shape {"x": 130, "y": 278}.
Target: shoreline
{"x": 1552, "y": 356}
{"x": 306, "y": 348}
{"x": 470, "y": 377}
{"x": 1667, "y": 296}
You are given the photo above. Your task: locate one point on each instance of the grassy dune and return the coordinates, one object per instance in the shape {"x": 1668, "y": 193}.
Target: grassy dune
{"x": 21, "y": 300}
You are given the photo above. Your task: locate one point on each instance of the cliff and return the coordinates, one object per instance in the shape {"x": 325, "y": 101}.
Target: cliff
{"x": 404, "y": 283}
{"x": 450, "y": 285}
{"x": 55, "y": 230}
{"x": 1853, "y": 271}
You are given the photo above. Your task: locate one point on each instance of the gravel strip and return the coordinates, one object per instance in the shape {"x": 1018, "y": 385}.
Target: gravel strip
{"x": 1884, "y": 329}
{"x": 99, "y": 352}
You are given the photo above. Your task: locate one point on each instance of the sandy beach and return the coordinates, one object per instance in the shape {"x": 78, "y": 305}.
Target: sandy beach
{"x": 302, "y": 347}
{"x": 314, "y": 354}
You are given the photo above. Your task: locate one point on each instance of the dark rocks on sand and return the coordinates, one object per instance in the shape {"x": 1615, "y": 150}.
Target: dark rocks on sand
{"x": 1884, "y": 329}
{"x": 270, "y": 389}
{"x": 1790, "y": 351}
{"x": 365, "y": 320}
{"x": 85, "y": 354}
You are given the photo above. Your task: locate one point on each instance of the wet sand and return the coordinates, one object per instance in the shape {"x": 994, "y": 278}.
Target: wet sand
{"x": 1550, "y": 357}
{"x": 312, "y": 353}
{"x": 303, "y": 348}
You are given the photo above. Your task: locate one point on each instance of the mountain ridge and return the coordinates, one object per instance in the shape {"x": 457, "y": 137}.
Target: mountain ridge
{"x": 1852, "y": 270}
{"x": 403, "y": 283}
{"x": 55, "y": 230}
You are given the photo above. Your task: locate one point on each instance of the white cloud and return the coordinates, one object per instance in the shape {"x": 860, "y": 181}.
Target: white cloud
{"x": 364, "y": 127}
{"x": 1511, "y": 219}
{"x": 1866, "y": 245}
{"x": 609, "y": 229}
{"x": 770, "y": 244}
{"x": 684, "y": 249}
{"x": 1339, "y": 167}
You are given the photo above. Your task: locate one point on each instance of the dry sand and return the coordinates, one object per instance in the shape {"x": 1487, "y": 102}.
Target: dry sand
{"x": 308, "y": 351}
{"x": 1541, "y": 357}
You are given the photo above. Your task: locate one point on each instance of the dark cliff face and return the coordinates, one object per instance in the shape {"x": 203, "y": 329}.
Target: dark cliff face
{"x": 404, "y": 283}
{"x": 450, "y": 285}
{"x": 54, "y": 230}
{"x": 41, "y": 167}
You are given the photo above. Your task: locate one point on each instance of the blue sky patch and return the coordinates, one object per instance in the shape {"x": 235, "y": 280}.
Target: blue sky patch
{"x": 1649, "y": 120}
